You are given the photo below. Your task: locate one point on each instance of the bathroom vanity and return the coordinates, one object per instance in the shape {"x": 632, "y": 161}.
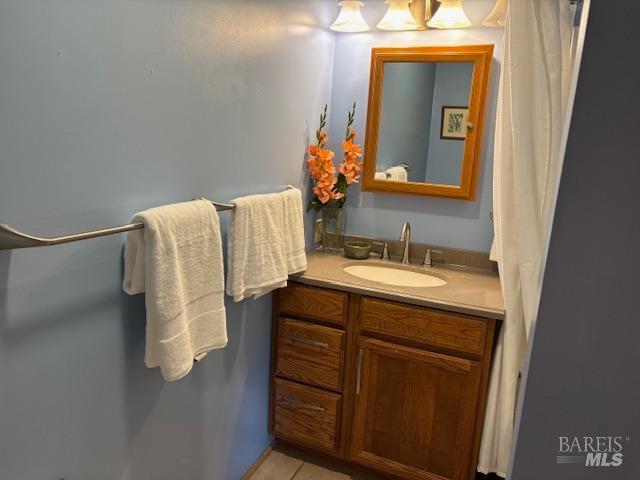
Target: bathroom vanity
{"x": 388, "y": 377}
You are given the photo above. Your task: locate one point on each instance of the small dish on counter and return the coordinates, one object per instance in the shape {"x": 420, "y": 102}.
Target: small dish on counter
{"x": 357, "y": 250}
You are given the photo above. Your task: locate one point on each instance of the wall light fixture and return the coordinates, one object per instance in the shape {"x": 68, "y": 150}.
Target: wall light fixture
{"x": 350, "y": 18}
{"x": 498, "y": 15}
{"x": 398, "y": 16}
{"x": 450, "y": 14}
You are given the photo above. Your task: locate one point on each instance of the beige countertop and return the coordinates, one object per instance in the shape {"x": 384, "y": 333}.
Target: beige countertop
{"x": 471, "y": 291}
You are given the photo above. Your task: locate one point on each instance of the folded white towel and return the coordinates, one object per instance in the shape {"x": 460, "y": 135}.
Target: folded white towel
{"x": 265, "y": 243}
{"x": 397, "y": 174}
{"x": 177, "y": 261}
{"x": 381, "y": 176}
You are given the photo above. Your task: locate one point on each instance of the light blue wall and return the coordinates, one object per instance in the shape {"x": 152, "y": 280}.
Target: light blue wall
{"x": 405, "y": 117}
{"x": 108, "y": 108}
{"x": 452, "y": 87}
{"x": 454, "y": 223}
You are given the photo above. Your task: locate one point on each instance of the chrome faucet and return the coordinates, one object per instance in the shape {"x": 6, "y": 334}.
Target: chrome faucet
{"x": 405, "y": 236}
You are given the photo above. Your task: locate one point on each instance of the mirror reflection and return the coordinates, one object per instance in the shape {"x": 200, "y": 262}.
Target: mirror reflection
{"x": 423, "y": 122}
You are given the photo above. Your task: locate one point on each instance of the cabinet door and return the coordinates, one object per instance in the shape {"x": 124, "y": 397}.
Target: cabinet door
{"x": 415, "y": 411}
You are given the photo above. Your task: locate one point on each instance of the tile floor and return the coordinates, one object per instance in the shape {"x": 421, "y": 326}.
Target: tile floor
{"x": 284, "y": 463}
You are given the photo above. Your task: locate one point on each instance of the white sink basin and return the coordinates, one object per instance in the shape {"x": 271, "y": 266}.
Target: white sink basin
{"x": 394, "y": 275}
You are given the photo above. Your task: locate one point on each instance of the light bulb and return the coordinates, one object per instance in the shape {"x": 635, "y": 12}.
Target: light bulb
{"x": 350, "y": 18}
{"x": 450, "y": 14}
{"x": 498, "y": 15}
{"x": 398, "y": 16}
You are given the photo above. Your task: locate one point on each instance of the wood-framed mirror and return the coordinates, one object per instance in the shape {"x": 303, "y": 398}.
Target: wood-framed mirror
{"x": 425, "y": 119}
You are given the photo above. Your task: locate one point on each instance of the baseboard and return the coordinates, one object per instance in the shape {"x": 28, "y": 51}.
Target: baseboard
{"x": 263, "y": 456}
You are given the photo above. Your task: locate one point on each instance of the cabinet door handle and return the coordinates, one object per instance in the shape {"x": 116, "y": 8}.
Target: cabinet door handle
{"x": 308, "y": 341}
{"x": 359, "y": 372}
{"x": 293, "y": 401}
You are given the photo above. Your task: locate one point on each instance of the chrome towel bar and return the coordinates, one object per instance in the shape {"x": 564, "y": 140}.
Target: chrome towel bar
{"x": 11, "y": 238}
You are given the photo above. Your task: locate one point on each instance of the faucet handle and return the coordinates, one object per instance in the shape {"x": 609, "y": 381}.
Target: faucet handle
{"x": 427, "y": 258}
{"x": 384, "y": 255}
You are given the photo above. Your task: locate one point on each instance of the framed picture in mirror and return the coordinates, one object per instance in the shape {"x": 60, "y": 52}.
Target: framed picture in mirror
{"x": 425, "y": 119}
{"x": 454, "y": 123}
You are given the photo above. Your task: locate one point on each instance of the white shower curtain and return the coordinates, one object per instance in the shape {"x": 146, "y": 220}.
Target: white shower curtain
{"x": 534, "y": 79}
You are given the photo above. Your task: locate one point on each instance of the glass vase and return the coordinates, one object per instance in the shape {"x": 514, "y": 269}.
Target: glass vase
{"x": 333, "y": 227}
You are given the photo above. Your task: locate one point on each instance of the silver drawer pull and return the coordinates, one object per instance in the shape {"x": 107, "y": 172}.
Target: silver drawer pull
{"x": 308, "y": 341}
{"x": 289, "y": 399}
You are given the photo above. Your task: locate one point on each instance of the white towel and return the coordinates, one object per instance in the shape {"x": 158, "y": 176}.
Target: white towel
{"x": 397, "y": 174}
{"x": 265, "y": 243}
{"x": 381, "y": 176}
{"x": 177, "y": 261}
{"x": 294, "y": 231}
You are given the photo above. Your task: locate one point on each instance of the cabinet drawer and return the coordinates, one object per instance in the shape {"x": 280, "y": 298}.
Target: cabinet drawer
{"x": 310, "y": 353}
{"x": 313, "y": 303}
{"x": 431, "y": 327}
{"x": 306, "y": 415}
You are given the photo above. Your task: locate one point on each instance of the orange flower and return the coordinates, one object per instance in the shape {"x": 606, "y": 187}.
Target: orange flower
{"x": 322, "y": 194}
{"x": 326, "y": 155}
{"x": 351, "y": 172}
{"x": 324, "y": 189}
{"x": 328, "y": 168}
{"x": 351, "y": 158}
{"x": 313, "y": 150}
{"x": 351, "y": 148}
{"x": 351, "y": 166}
{"x": 320, "y": 164}
{"x": 322, "y": 137}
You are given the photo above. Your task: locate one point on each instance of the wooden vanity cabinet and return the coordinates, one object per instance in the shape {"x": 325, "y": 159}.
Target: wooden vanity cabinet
{"x": 396, "y": 388}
